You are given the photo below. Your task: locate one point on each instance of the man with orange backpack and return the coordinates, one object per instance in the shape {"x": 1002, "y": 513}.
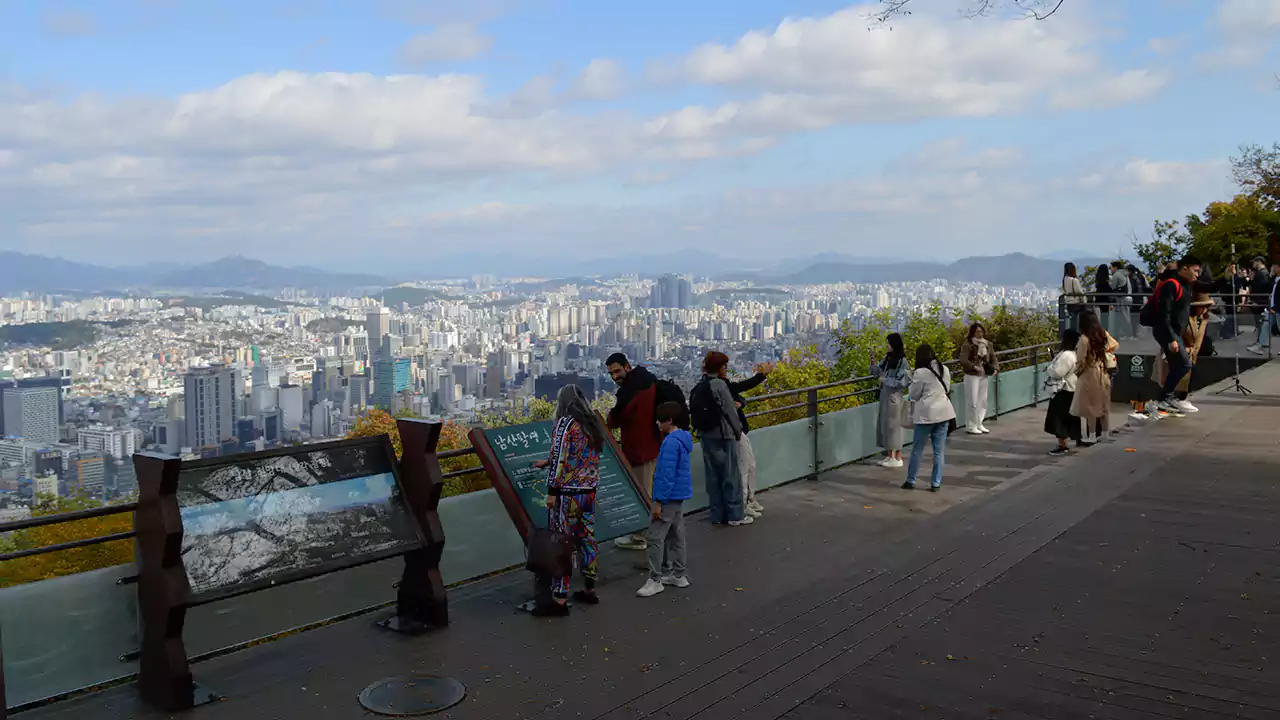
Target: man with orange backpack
{"x": 1167, "y": 313}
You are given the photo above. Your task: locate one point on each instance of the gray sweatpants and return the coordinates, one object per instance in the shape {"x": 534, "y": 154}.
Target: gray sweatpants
{"x": 666, "y": 542}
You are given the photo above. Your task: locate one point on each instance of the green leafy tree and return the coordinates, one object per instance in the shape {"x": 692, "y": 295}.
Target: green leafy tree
{"x": 1169, "y": 241}
{"x": 1244, "y": 222}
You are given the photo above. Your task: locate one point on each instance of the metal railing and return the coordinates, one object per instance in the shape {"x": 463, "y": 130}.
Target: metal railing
{"x": 813, "y": 401}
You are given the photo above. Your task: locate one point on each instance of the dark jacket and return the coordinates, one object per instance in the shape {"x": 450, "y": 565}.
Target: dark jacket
{"x": 634, "y": 415}
{"x": 1172, "y": 312}
{"x": 673, "y": 477}
{"x": 1260, "y": 290}
{"x": 737, "y": 389}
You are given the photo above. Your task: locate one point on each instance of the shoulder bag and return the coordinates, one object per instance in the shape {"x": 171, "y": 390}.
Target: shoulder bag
{"x": 550, "y": 553}
{"x": 951, "y": 424}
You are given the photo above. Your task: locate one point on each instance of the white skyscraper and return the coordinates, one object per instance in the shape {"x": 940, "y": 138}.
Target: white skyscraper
{"x": 32, "y": 413}
{"x": 212, "y": 396}
{"x": 116, "y": 442}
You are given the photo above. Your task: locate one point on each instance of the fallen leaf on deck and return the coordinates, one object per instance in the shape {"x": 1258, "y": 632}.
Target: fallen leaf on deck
{"x": 738, "y": 589}
{"x": 951, "y": 657}
{"x": 866, "y": 507}
{"x": 1131, "y": 449}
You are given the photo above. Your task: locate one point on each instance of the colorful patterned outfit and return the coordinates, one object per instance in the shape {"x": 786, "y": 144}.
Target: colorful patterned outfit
{"x": 572, "y": 477}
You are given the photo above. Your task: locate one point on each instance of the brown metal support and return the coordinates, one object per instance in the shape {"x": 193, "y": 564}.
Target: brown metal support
{"x": 421, "y": 600}
{"x": 814, "y": 423}
{"x": 164, "y": 674}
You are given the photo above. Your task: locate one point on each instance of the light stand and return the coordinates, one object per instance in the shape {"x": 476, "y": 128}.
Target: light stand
{"x": 1235, "y": 321}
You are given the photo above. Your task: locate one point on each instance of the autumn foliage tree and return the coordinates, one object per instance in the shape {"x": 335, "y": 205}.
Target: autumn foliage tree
{"x": 453, "y": 436}
{"x": 65, "y": 562}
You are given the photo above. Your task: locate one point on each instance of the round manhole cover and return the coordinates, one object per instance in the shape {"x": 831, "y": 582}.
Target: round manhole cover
{"x": 408, "y": 695}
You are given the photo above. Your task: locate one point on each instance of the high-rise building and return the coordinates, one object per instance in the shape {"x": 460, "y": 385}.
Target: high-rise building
{"x": 59, "y": 382}
{"x": 377, "y": 323}
{"x": 291, "y": 406}
{"x": 390, "y": 377}
{"x": 671, "y": 291}
{"x": 212, "y": 399}
{"x": 32, "y": 413}
{"x": 119, "y": 443}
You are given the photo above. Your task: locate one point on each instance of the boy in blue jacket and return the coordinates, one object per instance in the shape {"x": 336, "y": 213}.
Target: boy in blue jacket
{"x": 672, "y": 485}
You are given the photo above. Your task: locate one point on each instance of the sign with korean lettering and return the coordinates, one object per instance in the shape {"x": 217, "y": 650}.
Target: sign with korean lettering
{"x": 509, "y": 454}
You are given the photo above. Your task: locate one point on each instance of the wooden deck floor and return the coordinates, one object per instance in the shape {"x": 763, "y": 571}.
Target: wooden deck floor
{"x": 1111, "y": 584}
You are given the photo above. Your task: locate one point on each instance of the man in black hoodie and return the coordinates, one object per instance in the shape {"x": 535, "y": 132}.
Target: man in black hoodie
{"x": 1173, "y": 312}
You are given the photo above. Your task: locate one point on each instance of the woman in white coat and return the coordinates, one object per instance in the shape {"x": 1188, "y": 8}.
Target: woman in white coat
{"x": 931, "y": 413}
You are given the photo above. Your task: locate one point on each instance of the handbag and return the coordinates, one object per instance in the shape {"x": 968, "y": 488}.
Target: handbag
{"x": 908, "y": 412}
{"x": 951, "y": 424}
{"x": 550, "y": 553}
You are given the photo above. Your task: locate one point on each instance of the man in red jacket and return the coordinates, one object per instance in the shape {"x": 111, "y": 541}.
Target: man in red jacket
{"x": 634, "y": 415}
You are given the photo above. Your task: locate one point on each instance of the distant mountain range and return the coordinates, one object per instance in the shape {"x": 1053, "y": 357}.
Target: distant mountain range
{"x": 35, "y": 273}
{"x": 1008, "y": 270}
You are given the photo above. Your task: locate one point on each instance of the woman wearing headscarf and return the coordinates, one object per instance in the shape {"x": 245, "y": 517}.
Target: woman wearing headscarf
{"x": 894, "y": 375}
{"x": 573, "y": 474}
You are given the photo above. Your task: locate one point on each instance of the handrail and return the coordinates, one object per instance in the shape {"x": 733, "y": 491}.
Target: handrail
{"x": 46, "y": 520}
{"x": 59, "y": 518}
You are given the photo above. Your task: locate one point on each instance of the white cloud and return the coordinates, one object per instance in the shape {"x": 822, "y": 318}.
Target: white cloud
{"x": 602, "y": 79}
{"x": 1127, "y": 87}
{"x": 1249, "y": 30}
{"x": 444, "y": 43}
{"x": 816, "y": 72}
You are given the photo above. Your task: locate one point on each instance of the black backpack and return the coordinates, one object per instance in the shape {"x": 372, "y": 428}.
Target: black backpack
{"x": 667, "y": 391}
{"x": 704, "y": 412}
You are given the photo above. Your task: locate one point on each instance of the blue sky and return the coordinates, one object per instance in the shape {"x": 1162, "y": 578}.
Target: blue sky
{"x": 386, "y": 134}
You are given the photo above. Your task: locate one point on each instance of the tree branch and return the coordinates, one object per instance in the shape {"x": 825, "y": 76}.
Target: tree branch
{"x": 1034, "y": 9}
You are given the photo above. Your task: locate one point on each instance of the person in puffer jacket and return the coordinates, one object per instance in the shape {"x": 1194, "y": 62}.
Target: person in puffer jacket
{"x": 672, "y": 485}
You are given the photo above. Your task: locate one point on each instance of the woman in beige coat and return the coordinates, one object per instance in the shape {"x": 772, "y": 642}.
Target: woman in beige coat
{"x": 1092, "y": 402}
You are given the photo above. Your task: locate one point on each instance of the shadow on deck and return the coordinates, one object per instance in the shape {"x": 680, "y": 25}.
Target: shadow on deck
{"x": 1135, "y": 579}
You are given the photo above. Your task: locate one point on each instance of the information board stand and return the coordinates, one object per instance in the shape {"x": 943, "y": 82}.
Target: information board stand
{"x": 213, "y": 529}
{"x": 507, "y": 455}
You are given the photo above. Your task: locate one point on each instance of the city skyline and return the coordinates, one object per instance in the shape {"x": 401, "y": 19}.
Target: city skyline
{"x": 366, "y": 134}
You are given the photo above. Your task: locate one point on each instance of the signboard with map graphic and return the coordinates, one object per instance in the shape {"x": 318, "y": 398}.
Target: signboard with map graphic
{"x": 264, "y": 518}
{"x": 508, "y": 455}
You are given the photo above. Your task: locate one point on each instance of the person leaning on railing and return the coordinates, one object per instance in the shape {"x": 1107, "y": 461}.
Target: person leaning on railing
{"x": 1073, "y": 297}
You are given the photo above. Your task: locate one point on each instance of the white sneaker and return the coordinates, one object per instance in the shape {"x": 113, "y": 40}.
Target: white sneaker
{"x": 1186, "y": 406}
{"x": 752, "y": 513}
{"x": 678, "y": 582}
{"x": 973, "y": 431}
{"x": 651, "y": 587}
{"x": 983, "y": 429}
{"x": 1256, "y": 349}
{"x": 1135, "y": 415}
{"x": 627, "y": 542}
{"x": 890, "y": 463}
{"x": 756, "y": 506}
{"x": 746, "y": 520}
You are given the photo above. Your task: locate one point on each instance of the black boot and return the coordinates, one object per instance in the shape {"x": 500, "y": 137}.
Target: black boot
{"x": 587, "y": 596}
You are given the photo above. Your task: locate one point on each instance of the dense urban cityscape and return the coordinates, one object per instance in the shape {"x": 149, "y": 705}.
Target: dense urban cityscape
{"x": 244, "y": 373}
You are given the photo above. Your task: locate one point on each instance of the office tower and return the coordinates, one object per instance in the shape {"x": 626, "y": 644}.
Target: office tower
{"x": 377, "y": 323}
{"x": 212, "y": 397}
{"x": 390, "y": 345}
{"x": 671, "y": 291}
{"x": 32, "y": 413}
{"x": 58, "y": 381}
{"x": 291, "y": 406}
{"x": 89, "y": 473}
{"x": 390, "y": 377}
{"x": 119, "y": 443}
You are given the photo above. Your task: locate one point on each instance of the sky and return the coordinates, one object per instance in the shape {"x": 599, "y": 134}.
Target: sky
{"x": 388, "y": 135}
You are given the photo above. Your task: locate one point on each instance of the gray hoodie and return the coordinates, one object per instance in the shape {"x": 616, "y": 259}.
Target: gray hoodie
{"x": 730, "y": 428}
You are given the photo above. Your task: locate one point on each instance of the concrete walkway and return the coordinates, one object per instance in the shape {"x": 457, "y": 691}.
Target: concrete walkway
{"x": 1109, "y": 584}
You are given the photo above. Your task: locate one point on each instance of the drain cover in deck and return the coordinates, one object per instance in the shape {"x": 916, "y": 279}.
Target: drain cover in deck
{"x": 409, "y": 695}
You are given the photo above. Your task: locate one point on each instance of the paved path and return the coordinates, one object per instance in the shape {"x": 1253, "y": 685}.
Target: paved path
{"x": 1111, "y": 584}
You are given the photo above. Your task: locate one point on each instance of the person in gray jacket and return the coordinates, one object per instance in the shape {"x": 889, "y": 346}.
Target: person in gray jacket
{"x": 715, "y": 417}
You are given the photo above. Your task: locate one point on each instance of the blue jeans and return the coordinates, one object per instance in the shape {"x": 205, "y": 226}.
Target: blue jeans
{"x": 938, "y": 433}
{"x": 1265, "y": 321}
{"x": 723, "y": 479}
